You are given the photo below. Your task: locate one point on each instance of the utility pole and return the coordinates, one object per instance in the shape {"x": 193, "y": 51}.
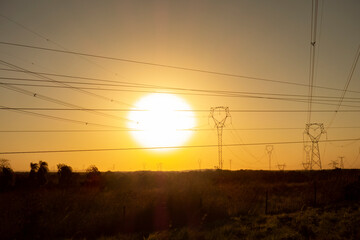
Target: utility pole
{"x": 314, "y": 131}
{"x": 230, "y": 163}
{"x": 219, "y": 116}
{"x": 269, "y": 149}
{"x": 199, "y": 162}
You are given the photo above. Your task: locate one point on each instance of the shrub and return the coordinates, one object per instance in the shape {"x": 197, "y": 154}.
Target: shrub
{"x": 7, "y": 176}
{"x": 64, "y": 174}
{"x": 93, "y": 176}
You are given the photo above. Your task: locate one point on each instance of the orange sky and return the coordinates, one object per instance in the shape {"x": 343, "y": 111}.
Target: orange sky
{"x": 260, "y": 39}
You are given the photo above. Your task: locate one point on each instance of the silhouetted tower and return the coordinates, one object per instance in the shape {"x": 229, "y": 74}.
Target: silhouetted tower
{"x": 230, "y": 163}
{"x": 341, "y": 162}
{"x": 314, "y": 131}
{"x": 306, "y": 164}
{"x": 269, "y": 149}
{"x": 219, "y": 115}
{"x": 281, "y": 167}
{"x": 159, "y": 166}
{"x": 334, "y": 164}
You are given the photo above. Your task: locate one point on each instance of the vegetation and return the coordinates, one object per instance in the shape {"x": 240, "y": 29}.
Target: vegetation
{"x": 7, "y": 177}
{"x": 181, "y": 205}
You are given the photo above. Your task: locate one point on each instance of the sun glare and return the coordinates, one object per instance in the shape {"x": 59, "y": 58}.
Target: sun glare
{"x": 161, "y": 120}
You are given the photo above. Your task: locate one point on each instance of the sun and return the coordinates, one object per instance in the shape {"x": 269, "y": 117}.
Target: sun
{"x": 161, "y": 120}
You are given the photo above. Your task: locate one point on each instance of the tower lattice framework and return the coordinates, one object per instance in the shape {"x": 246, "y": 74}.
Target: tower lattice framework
{"x": 269, "y": 149}
{"x": 306, "y": 164}
{"x": 219, "y": 120}
{"x": 314, "y": 131}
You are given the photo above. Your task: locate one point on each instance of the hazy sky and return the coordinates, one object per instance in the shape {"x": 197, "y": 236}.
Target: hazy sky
{"x": 258, "y": 39}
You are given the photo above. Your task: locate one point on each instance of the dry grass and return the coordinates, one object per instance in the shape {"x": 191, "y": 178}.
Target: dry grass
{"x": 184, "y": 205}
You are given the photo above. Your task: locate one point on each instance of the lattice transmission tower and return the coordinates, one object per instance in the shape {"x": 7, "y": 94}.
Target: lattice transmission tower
{"x": 269, "y": 149}
{"x": 306, "y": 163}
{"x": 314, "y": 131}
{"x": 281, "y": 167}
{"x": 341, "y": 161}
{"x": 219, "y": 116}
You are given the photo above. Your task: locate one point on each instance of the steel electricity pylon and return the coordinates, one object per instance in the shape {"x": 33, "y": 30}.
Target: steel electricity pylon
{"x": 314, "y": 131}
{"x": 281, "y": 167}
{"x": 306, "y": 164}
{"x": 269, "y": 149}
{"x": 341, "y": 161}
{"x": 219, "y": 116}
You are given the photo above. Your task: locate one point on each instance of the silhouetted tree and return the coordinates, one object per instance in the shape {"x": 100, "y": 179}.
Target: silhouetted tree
{"x": 93, "y": 175}
{"x": 33, "y": 169}
{"x": 65, "y": 174}
{"x": 42, "y": 172}
{"x": 7, "y": 176}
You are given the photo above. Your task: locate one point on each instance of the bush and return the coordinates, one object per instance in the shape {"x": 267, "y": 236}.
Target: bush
{"x": 64, "y": 174}
{"x": 42, "y": 172}
{"x": 93, "y": 176}
{"x": 7, "y": 176}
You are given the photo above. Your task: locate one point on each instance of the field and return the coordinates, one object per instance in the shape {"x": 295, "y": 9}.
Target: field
{"x": 184, "y": 205}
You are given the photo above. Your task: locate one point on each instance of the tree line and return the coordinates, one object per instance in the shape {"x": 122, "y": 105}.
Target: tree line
{"x": 39, "y": 175}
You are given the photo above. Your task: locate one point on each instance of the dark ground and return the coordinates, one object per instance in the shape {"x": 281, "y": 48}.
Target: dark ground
{"x": 184, "y": 205}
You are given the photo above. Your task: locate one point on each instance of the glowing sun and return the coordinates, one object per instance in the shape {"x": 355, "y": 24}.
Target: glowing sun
{"x": 161, "y": 120}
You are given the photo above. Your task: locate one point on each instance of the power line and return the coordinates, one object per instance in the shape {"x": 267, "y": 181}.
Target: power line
{"x": 175, "y": 110}
{"x": 314, "y": 12}
{"x": 352, "y": 70}
{"x": 56, "y": 118}
{"x": 189, "y": 129}
{"x": 159, "y": 65}
{"x": 164, "y": 87}
{"x": 52, "y": 41}
{"x": 172, "y": 147}
{"x": 249, "y": 95}
{"x": 130, "y": 85}
{"x": 50, "y": 99}
{"x": 59, "y": 82}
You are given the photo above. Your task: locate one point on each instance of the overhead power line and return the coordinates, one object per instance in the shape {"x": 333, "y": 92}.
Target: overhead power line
{"x": 51, "y": 41}
{"x": 314, "y": 13}
{"x": 352, "y": 70}
{"x": 56, "y": 118}
{"x": 250, "y": 95}
{"x": 13, "y": 66}
{"x": 172, "y": 147}
{"x": 189, "y": 129}
{"x": 156, "y": 64}
{"x": 164, "y": 87}
{"x": 175, "y": 110}
{"x": 50, "y": 99}
{"x": 130, "y": 85}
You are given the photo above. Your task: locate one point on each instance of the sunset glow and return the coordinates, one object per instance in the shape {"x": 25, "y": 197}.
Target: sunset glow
{"x": 161, "y": 120}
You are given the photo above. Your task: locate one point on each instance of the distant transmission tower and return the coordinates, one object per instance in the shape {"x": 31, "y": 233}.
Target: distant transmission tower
{"x": 269, "y": 149}
{"x": 306, "y": 164}
{"x": 314, "y": 131}
{"x": 159, "y": 166}
{"x": 281, "y": 167}
{"x": 334, "y": 164}
{"x": 219, "y": 115}
{"x": 341, "y": 162}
